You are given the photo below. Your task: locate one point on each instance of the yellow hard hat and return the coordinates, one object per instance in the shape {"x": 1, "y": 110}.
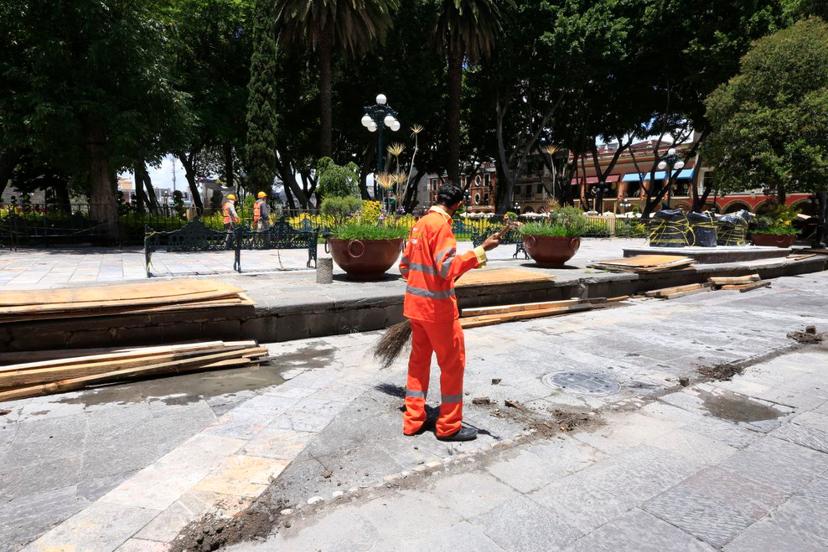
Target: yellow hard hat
{"x": 231, "y": 197}
{"x": 261, "y": 195}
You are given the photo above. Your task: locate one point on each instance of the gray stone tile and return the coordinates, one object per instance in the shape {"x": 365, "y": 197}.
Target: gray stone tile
{"x": 24, "y": 519}
{"x": 638, "y": 531}
{"x": 338, "y": 530}
{"x": 521, "y": 524}
{"x": 708, "y": 426}
{"x": 528, "y": 469}
{"x": 803, "y": 435}
{"x": 715, "y": 505}
{"x": 471, "y": 494}
{"x": 778, "y": 464}
{"x": 100, "y": 527}
{"x": 592, "y": 497}
{"x": 428, "y": 510}
{"x": 799, "y": 524}
{"x": 461, "y": 537}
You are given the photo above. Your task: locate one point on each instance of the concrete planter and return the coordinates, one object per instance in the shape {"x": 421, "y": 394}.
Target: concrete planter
{"x": 550, "y": 252}
{"x": 773, "y": 240}
{"x": 365, "y": 260}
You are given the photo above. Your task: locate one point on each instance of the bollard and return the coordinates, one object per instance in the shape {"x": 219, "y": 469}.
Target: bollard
{"x": 324, "y": 270}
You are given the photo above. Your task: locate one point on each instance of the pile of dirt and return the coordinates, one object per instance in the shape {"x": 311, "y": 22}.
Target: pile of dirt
{"x": 808, "y": 337}
{"x": 212, "y": 532}
{"x": 721, "y": 372}
{"x": 544, "y": 425}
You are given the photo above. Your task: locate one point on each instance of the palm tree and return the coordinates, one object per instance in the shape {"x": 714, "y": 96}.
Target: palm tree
{"x": 467, "y": 29}
{"x": 349, "y": 25}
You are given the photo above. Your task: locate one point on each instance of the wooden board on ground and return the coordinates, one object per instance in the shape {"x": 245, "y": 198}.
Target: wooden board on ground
{"x": 748, "y": 287}
{"x": 226, "y": 359}
{"x": 520, "y": 307}
{"x": 120, "y": 292}
{"x": 645, "y": 263}
{"x": 488, "y": 320}
{"x": 664, "y": 292}
{"x": 800, "y": 256}
{"x": 500, "y": 276}
{"x": 733, "y": 280}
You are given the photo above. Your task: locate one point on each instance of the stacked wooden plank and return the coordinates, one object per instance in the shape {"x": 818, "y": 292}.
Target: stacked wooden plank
{"x": 487, "y": 316}
{"x": 501, "y": 276}
{"x": 675, "y": 292}
{"x": 62, "y": 374}
{"x": 122, "y": 299}
{"x": 645, "y": 263}
{"x": 741, "y": 283}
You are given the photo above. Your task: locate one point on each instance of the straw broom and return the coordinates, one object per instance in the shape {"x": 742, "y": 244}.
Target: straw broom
{"x": 395, "y": 338}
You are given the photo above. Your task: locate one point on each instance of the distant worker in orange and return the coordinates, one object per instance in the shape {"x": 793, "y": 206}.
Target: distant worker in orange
{"x": 261, "y": 213}
{"x": 430, "y": 265}
{"x": 231, "y": 218}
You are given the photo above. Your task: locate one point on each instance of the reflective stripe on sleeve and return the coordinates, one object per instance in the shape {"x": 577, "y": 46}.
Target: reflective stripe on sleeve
{"x": 425, "y": 269}
{"x": 445, "y": 294}
{"x": 446, "y": 267}
{"x": 415, "y": 394}
{"x": 450, "y": 251}
{"x": 451, "y": 399}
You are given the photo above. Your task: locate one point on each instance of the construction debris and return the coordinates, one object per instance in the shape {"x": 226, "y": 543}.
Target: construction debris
{"x": 809, "y": 336}
{"x": 800, "y": 256}
{"x": 645, "y": 263}
{"x": 733, "y": 280}
{"x": 748, "y": 287}
{"x": 123, "y": 299}
{"x": 60, "y": 375}
{"x": 678, "y": 291}
{"x": 481, "y": 400}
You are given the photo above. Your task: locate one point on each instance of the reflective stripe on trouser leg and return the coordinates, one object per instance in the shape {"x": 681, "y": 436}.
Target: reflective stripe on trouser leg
{"x": 448, "y": 343}
{"x": 419, "y": 370}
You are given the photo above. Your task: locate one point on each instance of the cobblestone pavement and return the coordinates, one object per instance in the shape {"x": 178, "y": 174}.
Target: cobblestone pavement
{"x": 127, "y": 467}
{"x": 740, "y": 465}
{"x": 60, "y": 267}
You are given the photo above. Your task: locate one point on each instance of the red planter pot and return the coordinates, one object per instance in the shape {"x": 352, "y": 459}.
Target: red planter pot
{"x": 773, "y": 240}
{"x": 365, "y": 260}
{"x": 549, "y": 252}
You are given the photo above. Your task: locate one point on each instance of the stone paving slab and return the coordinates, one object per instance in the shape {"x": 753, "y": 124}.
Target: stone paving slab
{"x": 635, "y": 497}
{"x": 253, "y": 430}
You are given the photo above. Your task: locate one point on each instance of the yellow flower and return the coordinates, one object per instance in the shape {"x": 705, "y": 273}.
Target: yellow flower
{"x": 416, "y": 129}
{"x": 396, "y": 149}
{"x": 385, "y": 180}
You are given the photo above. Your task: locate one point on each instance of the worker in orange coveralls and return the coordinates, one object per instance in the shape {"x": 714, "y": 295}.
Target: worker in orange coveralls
{"x": 430, "y": 265}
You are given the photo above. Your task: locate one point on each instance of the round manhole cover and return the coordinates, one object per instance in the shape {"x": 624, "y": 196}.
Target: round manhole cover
{"x": 584, "y": 383}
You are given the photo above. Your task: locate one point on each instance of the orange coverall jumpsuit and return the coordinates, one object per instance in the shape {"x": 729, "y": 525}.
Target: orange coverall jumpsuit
{"x": 430, "y": 266}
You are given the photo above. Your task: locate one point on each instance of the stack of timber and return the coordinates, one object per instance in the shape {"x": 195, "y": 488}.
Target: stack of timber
{"x": 678, "y": 291}
{"x": 63, "y": 373}
{"x": 117, "y": 300}
{"x": 643, "y": 264}
{"x": 801, "y": 256}
{"x": 741, "y": 283}
{"x": 487, "y": 316}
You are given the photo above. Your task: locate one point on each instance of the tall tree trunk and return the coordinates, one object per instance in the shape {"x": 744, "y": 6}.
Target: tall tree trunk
{"x": 61, "y": 187}
{"x": 104, "y": 206}
{"x": 455, "y": 85}
{"x": 504, "y": 196}
{"x": 8, "y": 161}
{"x": 152, "y": 198}
{"x": 188, "y": 162}
{"x": 228, "y": 166}
{"x": 781, "y": 194}
{"x": 325, "y": 101}
{"x": 139, "y": 188}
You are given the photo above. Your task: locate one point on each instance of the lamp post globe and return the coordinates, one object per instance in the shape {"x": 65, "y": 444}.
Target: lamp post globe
{"x": 662, "y": 165}
{"x": 671, "y": 151}
{"x": 381, "y": 99}
{"x": 395, "y": 126}
{"x": 389, "y": 120}
{"x": 679, "y": 164}
{"x": 366, "y": 120}
{"x": 372, "y": 127}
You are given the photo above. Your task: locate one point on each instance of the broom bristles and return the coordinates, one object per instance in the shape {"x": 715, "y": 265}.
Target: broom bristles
{"x": 392, "y": 342}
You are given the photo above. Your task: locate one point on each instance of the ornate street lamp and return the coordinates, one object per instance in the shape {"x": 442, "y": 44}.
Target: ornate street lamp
{"x": 376, "y": 118}
{"x": 673, "y": 161}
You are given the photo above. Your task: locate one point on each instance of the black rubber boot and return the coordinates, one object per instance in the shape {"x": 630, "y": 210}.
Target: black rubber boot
{"x": 463, "y": 434}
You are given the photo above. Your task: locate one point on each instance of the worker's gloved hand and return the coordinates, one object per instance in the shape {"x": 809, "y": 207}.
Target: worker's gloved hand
{"x": 491, "y": 242}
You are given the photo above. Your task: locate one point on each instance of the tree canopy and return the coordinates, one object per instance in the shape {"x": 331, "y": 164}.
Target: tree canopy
{"x": 770, "y": 122}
